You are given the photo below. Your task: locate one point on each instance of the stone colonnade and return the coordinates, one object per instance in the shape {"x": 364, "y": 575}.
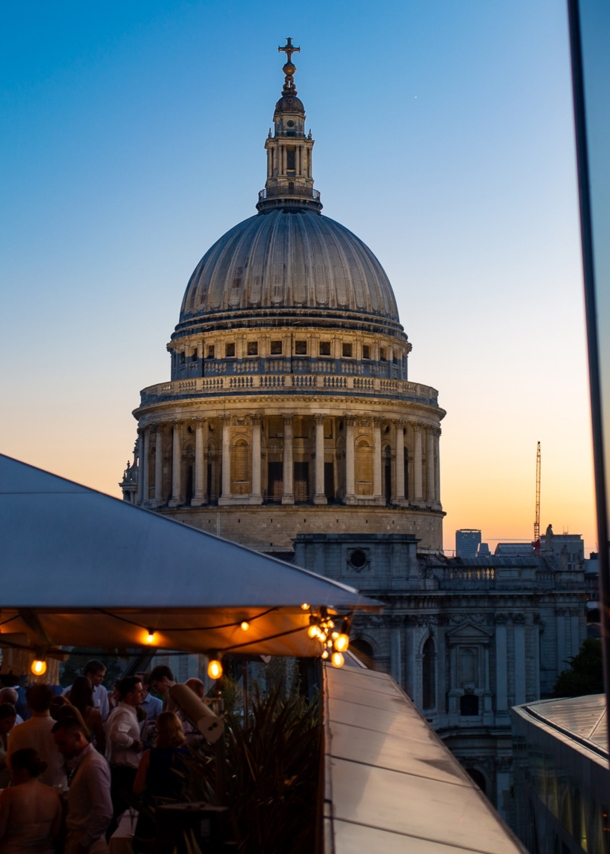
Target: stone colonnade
{"x": 424, "y": 461}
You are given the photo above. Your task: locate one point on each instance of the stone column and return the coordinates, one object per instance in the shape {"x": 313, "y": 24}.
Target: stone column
{"x": 350, "y": 475}
{"x": 501, "y": 668}
{"x": 201, "y": 435}
{"x": 319, "y": 495}
{"x": 437, "y": 456}
{"x": 225, "y": 496}
{"x": 176, "y": 465}
{"x": 145, "y": 469}
{"x": 520, "y": 689}
{"x": 256, "y": 496}
{"x": 417, "y": 465}
{"x": 562, "y": 652}
{"x": 430, "y": 476}
{"x": 399, "y": 479}
{"x": 158, "y": 467}
{"x": 377, "y": 457}
{"x": 288, "y": 467}
{"x": 140, "y": 498}
{"x": 395, "y": 656}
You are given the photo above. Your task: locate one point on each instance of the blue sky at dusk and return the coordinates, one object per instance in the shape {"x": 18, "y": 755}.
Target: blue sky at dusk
{"x": 132, "y": 138}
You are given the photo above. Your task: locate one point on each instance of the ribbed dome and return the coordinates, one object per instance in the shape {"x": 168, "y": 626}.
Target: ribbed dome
{"x": 289, "y": 259}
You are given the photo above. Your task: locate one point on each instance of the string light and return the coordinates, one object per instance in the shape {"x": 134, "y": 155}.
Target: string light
{"x": 337, "y": 659}
{"x": 342, "y": 642}
{"x": 150, "y": 637}
{"x": 325, "y": 654}
{"x": 245, "y": 626}
{"x": 214, "y": 667}
{"x": 333, "y": 641}
{"x": 39, "y": 667}
{"x": 305, "y": 606}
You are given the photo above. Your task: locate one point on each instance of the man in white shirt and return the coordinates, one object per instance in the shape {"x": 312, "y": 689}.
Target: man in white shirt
{"x": 123, "y": 744}
{"x": 95, "y": 671}
{"x": 89, "y": 804}
{"x": 36, "y": 733}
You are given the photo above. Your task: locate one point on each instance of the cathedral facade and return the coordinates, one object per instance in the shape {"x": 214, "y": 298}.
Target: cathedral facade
{"x": 289, "y": 409}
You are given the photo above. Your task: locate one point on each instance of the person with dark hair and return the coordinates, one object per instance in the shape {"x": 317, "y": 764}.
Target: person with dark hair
{"x": 123, "y": 743}
{"x": 8, "y": 716}
{"x": 161, "y": 680}
{"x": 9, "y": 695}
{"x": 89, "y": 803}
{"x": 81, "y": 696}
{"x": 95, "y": 671}
{"x": 30, "y": 812}
{"x": 36, "y": 733}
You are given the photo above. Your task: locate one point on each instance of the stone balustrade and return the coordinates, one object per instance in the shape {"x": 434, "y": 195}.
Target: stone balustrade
{"x": 305, "y": 383}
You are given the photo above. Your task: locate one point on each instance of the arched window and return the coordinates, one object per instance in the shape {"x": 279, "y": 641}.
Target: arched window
{"x": 469, "y": 705}
{"x": 428, "y": 666}
{"x": 364, "y": 467}
{"x": 240, "y": 468}
{"x": 478, "y": 778}
{"x": 364, "y": 651}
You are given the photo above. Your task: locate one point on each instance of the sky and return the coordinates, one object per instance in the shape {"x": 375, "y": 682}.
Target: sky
{"x": 132, "y": 138}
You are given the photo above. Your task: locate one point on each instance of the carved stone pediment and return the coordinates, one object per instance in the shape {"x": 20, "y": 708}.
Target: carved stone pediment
{"x": 468, "y": 633}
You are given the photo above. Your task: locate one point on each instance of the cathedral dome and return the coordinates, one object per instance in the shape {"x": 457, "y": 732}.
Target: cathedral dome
{"x": 285, "y": 259}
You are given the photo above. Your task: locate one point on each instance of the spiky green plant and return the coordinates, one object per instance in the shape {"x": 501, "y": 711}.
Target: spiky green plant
{"x": 266, "y": 770}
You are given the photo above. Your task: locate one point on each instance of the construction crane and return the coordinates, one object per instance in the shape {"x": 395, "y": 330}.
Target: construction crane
{"x": 537, "y": 520}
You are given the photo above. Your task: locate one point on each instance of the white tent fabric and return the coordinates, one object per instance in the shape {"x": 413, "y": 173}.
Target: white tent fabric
{"x": 78, "y": 567}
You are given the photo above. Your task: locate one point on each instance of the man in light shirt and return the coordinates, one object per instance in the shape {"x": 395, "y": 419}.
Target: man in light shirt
{"x": 95, "y": 671}
{"x": 36, "y": 733}
{"x": 89, "y": 804}
{"x": 152, "y": 706}
{"x": 123, "y": 743}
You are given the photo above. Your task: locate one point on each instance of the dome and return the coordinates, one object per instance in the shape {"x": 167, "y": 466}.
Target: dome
{"x": 287, "y": 259}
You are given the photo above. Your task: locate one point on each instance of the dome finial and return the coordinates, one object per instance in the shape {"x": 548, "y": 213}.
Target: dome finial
{"x": 289, "y": 68}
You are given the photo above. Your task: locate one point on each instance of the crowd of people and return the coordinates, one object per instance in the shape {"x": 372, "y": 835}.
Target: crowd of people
{"x": 82, "y": 758}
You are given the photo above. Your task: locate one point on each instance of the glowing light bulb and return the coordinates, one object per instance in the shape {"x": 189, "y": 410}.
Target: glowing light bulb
{"x": 335, "y": 635}
{"x": 325, "y": 654}
{"x": 39, "y": 667}
{"x": 214, "y": 668}
{"x": 245, "y": 626}
{"x": 337, "y": 659}
{"x": 150, "y": 637}
{"x": 305, "y": 606}
{"x": 313, "y": 631}
{"x": 341, "y": 642}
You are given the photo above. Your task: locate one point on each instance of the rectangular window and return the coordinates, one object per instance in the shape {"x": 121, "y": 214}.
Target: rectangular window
{"x": 182, "y": 358}
{"x": 291, "y": 160}
{"x": 347, "y": 350}
{"x": 366, "y": 351}
{"x": 194, "y": 356}
{"x": 395, "y": 359}
{"x": 252, "y": 348}
{"x": 276, "y": 348}
{"x": 229, "y": 350}
{"x": 211, "y": 351}
{"x": 300, "y": 348}
{"x": 324, "y": 348}
{"x": 382, "y": 356}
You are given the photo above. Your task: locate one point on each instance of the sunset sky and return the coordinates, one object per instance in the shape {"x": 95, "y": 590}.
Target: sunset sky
{"x": 133, "y": 138}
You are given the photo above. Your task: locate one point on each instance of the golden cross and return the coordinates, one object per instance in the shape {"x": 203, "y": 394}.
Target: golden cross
{"x": 289, "y": 49}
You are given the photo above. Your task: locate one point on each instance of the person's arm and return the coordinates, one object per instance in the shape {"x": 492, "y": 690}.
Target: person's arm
{"x": 98, "y": 783}
{"x": 118, "y": 732}
{"x": 139, "y": 784}
{"x": 5, "y": 800}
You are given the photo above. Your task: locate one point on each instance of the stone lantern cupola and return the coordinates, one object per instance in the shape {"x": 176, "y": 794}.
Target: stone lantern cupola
{"x": 289, "y": 150}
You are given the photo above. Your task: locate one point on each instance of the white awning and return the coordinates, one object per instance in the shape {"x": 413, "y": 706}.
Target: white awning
{"x": 81, "y": 568}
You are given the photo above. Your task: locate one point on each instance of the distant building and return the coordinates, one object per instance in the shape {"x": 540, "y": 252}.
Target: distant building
{"x": 467, "y": 542}
{"x": 561, "y": 776}
{"x": 568, "y": 549}
{"x": 514, "y": 550}
{"x": 483, "y": 550}
{"x": 467, "y": 638}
